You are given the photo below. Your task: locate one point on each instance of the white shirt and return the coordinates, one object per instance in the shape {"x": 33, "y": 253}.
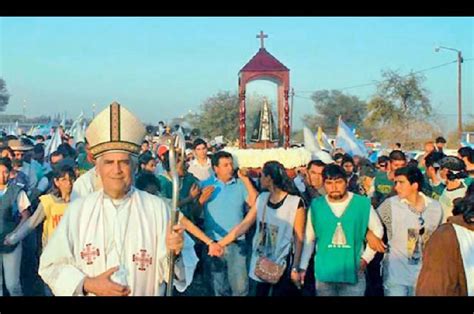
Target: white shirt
{"x": 202, "y": 172}
{"x": 403, "y": 260}
{"x": 97, "y": 233}
{"x": 338, "y": 209}
{"x": 466, "y": 243}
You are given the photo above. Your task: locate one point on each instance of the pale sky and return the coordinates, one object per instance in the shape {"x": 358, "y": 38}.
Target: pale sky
{"x": 162, "y": 67}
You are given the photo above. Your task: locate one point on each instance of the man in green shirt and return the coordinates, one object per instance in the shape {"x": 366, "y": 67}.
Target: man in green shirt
{"x": 384, "y": 181}
{"x": 337, "y": 225}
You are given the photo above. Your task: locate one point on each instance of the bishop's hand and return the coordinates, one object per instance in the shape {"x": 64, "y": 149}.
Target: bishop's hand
{"x": 102, "y": 285}
{"x": 175, "y": 239}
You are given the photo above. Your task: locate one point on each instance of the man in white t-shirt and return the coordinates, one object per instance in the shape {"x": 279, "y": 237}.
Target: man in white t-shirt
{"x": 200, "y": 167}
{"x": 410, "y": 218}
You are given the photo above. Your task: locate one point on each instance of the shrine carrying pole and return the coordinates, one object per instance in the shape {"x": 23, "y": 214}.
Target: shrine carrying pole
{"x": 179, "y": 140}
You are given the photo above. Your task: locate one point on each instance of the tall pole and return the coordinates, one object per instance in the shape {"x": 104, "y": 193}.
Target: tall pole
{"x": 459, "y": 97}
{"x": 460, "y": 60}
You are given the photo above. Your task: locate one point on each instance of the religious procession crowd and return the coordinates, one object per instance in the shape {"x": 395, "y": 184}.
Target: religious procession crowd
{"x": 94, "y": 219}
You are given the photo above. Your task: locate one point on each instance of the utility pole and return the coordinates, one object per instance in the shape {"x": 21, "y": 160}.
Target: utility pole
{"x": 460, "y": 60}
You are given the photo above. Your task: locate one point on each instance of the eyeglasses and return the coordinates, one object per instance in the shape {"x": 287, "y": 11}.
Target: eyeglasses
{"x": 382, "y": 165}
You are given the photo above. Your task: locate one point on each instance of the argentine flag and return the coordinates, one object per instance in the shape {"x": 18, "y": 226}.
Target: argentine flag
{"x": 346, "y": 140}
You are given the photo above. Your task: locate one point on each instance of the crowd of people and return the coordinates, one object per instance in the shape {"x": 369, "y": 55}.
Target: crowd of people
{"x": 93, "y": 219}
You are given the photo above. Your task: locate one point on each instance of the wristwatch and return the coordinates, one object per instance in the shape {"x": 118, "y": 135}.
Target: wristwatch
{"x": 295, "y": 269}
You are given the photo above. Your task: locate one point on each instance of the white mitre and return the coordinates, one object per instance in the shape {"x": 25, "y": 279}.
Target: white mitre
{"x": 115, "y": 129}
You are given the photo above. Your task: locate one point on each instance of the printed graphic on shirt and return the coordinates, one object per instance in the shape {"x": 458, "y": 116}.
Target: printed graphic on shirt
{"x": 416, "y": 244}
{"x": 267, "y": 244}
{"x": 339, "y": 238}
{"x": 56, "y": 219}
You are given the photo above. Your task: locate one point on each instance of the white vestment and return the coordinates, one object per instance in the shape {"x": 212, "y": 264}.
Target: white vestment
{"x": 86, "y": 184}
{"x": 466, "y": 246}
{"x": 98, "y": 233}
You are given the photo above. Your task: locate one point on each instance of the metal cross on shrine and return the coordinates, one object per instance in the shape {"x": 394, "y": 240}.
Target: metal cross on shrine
{"x": 262, "y": 36}
{"x": 89, "y": 254}
{"x": 142, "y": 259}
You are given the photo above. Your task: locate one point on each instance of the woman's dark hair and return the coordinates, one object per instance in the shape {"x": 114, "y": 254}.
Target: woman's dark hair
{"x": 61, "y": 173}
{"x": 334, "y": 172}
{"x": 148, "y": 182}
{"x": 280, "y": 178}
{"x": 5, "y": 161}
{"x": 413, "y": 175}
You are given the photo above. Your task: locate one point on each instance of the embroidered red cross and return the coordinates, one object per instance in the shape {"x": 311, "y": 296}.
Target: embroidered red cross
{"x": 90, "y": 253}
{"x": 142, "y": 259}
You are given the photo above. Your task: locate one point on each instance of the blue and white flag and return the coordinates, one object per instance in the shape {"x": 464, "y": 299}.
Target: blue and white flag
{"x": 53, "y": 144}
{"x": 346, "y": 140}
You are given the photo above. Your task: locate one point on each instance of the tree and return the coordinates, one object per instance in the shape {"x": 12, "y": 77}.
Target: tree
{"x": 469, "y": 125}
{"x": 399, "y": 98}
{"x": 220, "y": 116}
{"x": 400, "y": 102}
{"x": 4, "y": 96}
{"x": 329, "y": 105}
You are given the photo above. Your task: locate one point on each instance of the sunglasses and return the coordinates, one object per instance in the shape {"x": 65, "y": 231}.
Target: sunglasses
{"x": 383, "y": 165}
{"x": 422, "y": 224}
